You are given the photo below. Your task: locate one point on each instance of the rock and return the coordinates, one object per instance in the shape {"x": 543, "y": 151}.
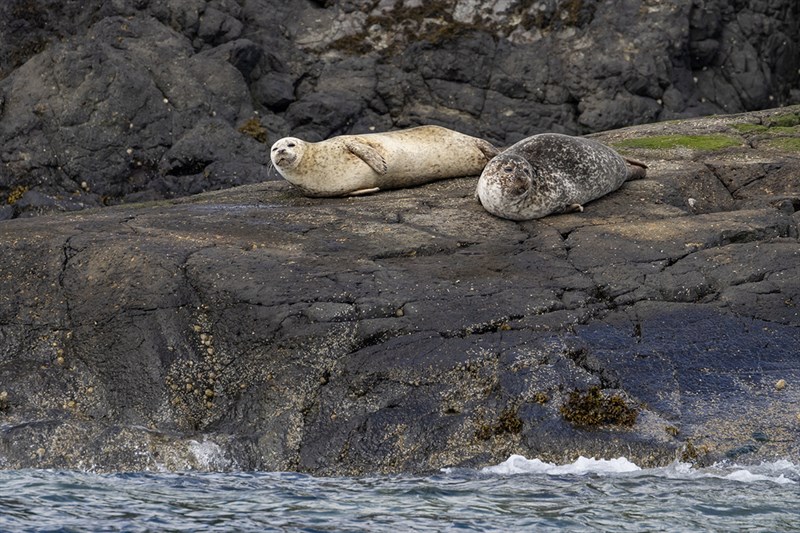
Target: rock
{"x": 406, "y": 331}
{"x": 134, "y": 77}
{"x": 108, "y": 112}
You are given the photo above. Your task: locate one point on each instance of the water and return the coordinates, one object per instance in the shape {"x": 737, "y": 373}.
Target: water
{"x": 516, "y": 495}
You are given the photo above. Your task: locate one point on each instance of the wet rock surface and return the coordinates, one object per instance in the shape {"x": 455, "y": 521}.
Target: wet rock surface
{"x": 104, "y": 103}
{"x": 254, "y": 328}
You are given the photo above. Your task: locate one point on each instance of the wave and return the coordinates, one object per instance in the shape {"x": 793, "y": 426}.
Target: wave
{"x": 517, "y": 464}
{"x": 783, "y": 472}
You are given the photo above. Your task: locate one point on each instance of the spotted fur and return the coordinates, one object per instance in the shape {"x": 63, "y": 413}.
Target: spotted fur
{"x": 550, "y": 173}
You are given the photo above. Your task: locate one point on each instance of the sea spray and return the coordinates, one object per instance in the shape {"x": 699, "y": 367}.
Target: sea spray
{"x": 517, "y": 464}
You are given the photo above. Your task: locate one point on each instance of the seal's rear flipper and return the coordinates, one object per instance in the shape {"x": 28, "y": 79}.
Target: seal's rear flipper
{"x": 368, "y": 154}
{"x": 636, "y": 169}
{"x": 361, "y": 192}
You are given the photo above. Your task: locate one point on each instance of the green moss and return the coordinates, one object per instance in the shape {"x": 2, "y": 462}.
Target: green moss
{"x": 786, "y": 123}
{"x": 784, "y": 129}
{"x": 788, "y": 120}
{"x": 749, "y": 128}
{"x": 789, "y": 144}
{"x": 693, "y": 142}
{"x": 593, "y": 408}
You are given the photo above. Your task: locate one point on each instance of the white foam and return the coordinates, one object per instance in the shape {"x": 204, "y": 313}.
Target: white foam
{"x": 746, "y": 476}
{"x": 209, "y": 455}
{"x": 517, "y": 464}
{"x": 781, "y": 471}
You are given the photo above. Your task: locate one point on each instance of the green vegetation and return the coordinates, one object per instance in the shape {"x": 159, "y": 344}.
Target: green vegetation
{"x": 593, "y": 408}
{"x": 789, "y": 144}
{"x": 787, "y": 123}
{"x": 692, "y": 142}
{"x": 789, "y": 120}
{"x": 747, "y": 127}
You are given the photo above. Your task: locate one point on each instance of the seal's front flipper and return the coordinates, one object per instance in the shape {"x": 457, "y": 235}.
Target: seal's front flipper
{"x": 487, "y": 148}
{"x": 636, "y": 169}
{"x": 361, "y": 192}
{"x": 368, "y": 154}
{"x": 574, "y": 208}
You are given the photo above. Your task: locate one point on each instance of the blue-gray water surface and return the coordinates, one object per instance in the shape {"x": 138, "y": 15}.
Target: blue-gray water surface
{"x": 516, "y": 495}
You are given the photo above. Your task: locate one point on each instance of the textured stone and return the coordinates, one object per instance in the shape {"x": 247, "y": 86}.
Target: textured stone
{"x": 410, "y": 330}
{"x": 501, "y": 70}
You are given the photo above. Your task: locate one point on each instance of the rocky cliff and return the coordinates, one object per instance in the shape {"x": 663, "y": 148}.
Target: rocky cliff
{"x": 109, "y": 102}
{"x": 410, "y": 330}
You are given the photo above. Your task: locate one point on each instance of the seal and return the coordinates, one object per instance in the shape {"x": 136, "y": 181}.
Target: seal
{"x": 360, "y": 164}
{"x": 551, "y": 173}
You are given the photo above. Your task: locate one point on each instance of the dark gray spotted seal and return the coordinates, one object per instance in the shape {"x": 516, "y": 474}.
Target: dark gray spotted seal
{"x": 550, "y": 173}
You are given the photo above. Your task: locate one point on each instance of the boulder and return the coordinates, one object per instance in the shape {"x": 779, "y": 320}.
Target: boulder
{"x": 95, "y": 95}
{"x": 255, "y": 329}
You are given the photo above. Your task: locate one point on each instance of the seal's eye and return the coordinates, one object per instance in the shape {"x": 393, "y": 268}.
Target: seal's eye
{"x": 290, "y": 145}
{"x": 508, "y": 169}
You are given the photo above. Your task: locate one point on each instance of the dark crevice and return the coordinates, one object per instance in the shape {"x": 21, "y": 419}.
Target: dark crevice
{"x": 492, "y": 326}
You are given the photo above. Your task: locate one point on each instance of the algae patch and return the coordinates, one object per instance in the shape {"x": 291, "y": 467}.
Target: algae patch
{"x": 16, "y": 194}
{"x": 254, "y": 129}
{"x": 593, "y": 408}
{"x": 692, "y": 142}
{"x": 508, "y": 422}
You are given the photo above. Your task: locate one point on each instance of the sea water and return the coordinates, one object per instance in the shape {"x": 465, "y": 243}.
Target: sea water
{"x": 517, "y": 495}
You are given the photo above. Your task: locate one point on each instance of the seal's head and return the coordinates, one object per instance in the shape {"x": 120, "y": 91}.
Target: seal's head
{"x": 505, "y": 184}
{"x": 286, "y": 153}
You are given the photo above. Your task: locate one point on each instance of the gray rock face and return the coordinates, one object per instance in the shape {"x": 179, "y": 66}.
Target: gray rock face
{"x": 254, "y": 328}
{"x": 110, "y": 102}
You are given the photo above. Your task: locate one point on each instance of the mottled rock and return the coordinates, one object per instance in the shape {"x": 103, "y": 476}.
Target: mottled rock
{"x": 255, "y": 328}
{"x": 132, "y": 78}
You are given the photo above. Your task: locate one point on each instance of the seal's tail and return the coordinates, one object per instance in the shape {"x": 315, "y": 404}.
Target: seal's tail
{"x": 636, "y": 169}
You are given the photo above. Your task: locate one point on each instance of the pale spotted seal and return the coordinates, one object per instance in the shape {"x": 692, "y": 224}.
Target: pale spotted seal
{"x": 358, "y": 164}
{"x": 550, "y": 173}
